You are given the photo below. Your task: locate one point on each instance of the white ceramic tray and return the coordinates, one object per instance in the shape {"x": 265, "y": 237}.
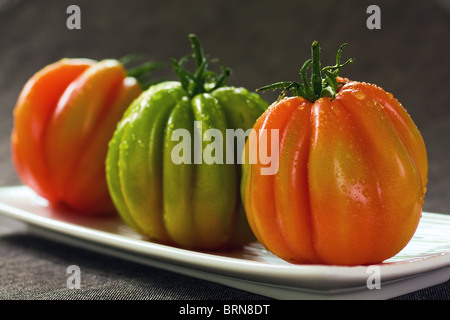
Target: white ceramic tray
{"x": 424, "y": 262}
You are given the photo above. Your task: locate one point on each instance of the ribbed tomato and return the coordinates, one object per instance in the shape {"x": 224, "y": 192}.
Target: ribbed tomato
{"x": 193, "y": 203}
{"x": 63, "y": 121}
{"x": 352, "y": 172}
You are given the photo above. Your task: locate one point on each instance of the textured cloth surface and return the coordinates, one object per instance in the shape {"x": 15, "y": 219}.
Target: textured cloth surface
{"x": 263, "y": 41}
{"x": 36, "y": 268}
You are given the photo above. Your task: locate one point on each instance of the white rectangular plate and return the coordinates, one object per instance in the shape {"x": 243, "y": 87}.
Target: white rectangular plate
{"x": 424, "y": 262}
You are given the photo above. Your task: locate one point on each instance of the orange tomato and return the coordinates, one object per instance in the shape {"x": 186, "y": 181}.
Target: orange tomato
{"x": 351, "y": 179}
{"x": 63, "y": 121}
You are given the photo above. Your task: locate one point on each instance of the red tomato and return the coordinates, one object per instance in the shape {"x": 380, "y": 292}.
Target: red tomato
{"x": 63, "y": 121}
{"x": 351, "y": 179}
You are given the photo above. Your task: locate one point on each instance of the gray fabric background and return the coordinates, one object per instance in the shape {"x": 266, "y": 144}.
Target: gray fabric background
{"x": 263, "y": 42}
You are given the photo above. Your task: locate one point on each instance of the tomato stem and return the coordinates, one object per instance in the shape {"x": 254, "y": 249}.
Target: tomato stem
{"x": 143, "y": 72}
{"x": 316, "y": 75}
{"x": 323, "y": 81}
{"x": 202, "y": 80}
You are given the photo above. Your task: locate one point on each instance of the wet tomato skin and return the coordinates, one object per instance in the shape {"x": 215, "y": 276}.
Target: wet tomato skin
{"x": 351, "y": 179}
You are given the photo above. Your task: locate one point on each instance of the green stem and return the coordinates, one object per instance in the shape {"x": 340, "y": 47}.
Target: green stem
{"x": 319, "y": 86}
{"x": 316, "y": 75}
{"x": 202, "y": 80}
{"x": 143, "y": 73}
{"x": 198, "y": 50}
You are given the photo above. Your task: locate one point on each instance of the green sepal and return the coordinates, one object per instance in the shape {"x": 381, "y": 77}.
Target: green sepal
{"x": 322, "y": 83}
{"x": 201, "y": 80}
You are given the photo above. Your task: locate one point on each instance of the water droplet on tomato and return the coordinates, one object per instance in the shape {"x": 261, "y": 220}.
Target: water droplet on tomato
{"x": 359, "y": 95}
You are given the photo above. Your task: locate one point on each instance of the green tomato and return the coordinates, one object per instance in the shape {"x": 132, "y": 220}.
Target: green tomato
{"x": 169, "y": 177}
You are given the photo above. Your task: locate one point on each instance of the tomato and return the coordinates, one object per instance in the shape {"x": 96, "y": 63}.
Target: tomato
{"x": 352, "y": 172}
{"x": 188, "y": 200}
{"x": 63, "y": 121}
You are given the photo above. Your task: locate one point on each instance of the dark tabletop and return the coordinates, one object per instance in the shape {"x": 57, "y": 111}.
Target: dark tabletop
{"x": 263, "y": 42}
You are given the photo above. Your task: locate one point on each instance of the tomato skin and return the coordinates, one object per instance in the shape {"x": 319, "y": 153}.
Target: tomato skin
{"x": 351, "y": 180}
{"x": 63, "y": 120}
